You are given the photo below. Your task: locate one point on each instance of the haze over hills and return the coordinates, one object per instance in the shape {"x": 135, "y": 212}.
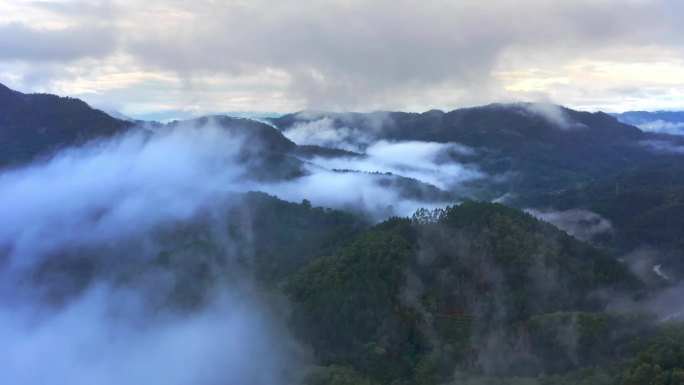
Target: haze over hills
{"x": 667, "y": 122}
{"x": 340, "y": 248}
{"x": 556, "y": 146}
{"x": 534, "y": 137}
{"x": 528, "y": 155}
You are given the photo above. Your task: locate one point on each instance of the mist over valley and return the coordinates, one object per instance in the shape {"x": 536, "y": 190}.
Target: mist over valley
{"x": 341, "y": 193}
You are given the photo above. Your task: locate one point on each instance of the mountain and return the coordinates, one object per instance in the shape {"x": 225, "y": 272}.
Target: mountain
{"x": 645, "y": 206}
{"x": 545, "y": 155}
{"x": 539, "y": 147}
{"x": 36, "y": 125}
{"x": 547, "y": 147}
{"x": 448, "y": 287}
{"x": 256, "y": 134}
{"x": 477, "y": 288}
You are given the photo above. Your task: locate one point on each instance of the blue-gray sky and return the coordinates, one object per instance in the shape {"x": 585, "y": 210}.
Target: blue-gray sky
{"x": 181, "y": 58}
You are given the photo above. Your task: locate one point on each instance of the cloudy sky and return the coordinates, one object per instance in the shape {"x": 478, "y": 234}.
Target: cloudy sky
{"x": 174, "y": 58}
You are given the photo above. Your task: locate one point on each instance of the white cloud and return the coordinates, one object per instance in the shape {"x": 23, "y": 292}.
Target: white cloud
{"x": 428, "y": 162}
{"x": 663, "y": 146}
{"x": 553, "y": 114}
{"x": 119, "y": 191}
{"x": 322, "y": 133}
{"x": 110, "y": 336}
{"x": 583, "y": 224}
{"x": 102, "y": 190}
{"x": 118, "y": 188}
{"x": 673, "y": 128}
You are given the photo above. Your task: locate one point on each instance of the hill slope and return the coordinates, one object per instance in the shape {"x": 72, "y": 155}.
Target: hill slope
{"x": 406, "y": 291}
{"x": 34, "y": 125}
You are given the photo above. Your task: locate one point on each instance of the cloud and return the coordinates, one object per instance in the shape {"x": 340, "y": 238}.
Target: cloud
{"x": 672, "y": 128}
{"x": 663, "y": 146}
{"x": 554, "y": 114}
{"x": 374, "y": 196}
{"x": 22, "y": 42}
{"x": 667, "y": 304}
{"x": 77, "y": 8}
{"x": 428, "y": 162}
{"x": 342, "y": 54}
{"x": 117, "y": 189}
{"x": 109, "y": 336}
{"x": 105, "y": 208}
{"x": 431, "y": 163}
{"x": 322, "y": 133}
{"x": 582, "y": 224}
{"x": 338, "y": 130}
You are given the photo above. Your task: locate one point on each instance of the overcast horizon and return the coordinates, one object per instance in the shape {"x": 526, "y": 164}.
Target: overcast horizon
{"x": 172, "y": 59}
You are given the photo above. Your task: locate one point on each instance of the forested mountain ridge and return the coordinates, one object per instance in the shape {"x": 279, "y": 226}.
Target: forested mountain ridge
{"x": 34, "y": 125}
{"x": 539, "y": 147}
{"x": 37, "y": 126}
{"x": 477, "y": 290}
{"x": 669, "y": 122}
{"x": 411, "y": 294}
{"x": 550, "y": 147}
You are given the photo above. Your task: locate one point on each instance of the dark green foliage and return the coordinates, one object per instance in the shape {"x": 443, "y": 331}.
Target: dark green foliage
{"x": 279, "y": 237}
{"x": 654, "y": 359}
{"x": 480, "y": 288}
{"x": 515, "y": 261}
{"x": 348, "y": 306}
{"x": 266, "y": 236}
{"x": 336, "y": 375}
{"x": 483, "y": 268}
{"x": 424, "y": 216}
{"x": 454, "y": 329}
{"x": 660, "y": 360}
{"x": 645, "y": 204}
{"x": 309, "y": 151}
{"x": 567, "y": 341}
{"x": 461, "y": 278}
{"x": 587, "y": 376}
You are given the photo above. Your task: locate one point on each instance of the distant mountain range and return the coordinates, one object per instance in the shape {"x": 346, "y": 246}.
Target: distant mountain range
{"x": 548, "y": 147}
{"x": 669, "y": 122}
{"x": 541, "y": 147}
